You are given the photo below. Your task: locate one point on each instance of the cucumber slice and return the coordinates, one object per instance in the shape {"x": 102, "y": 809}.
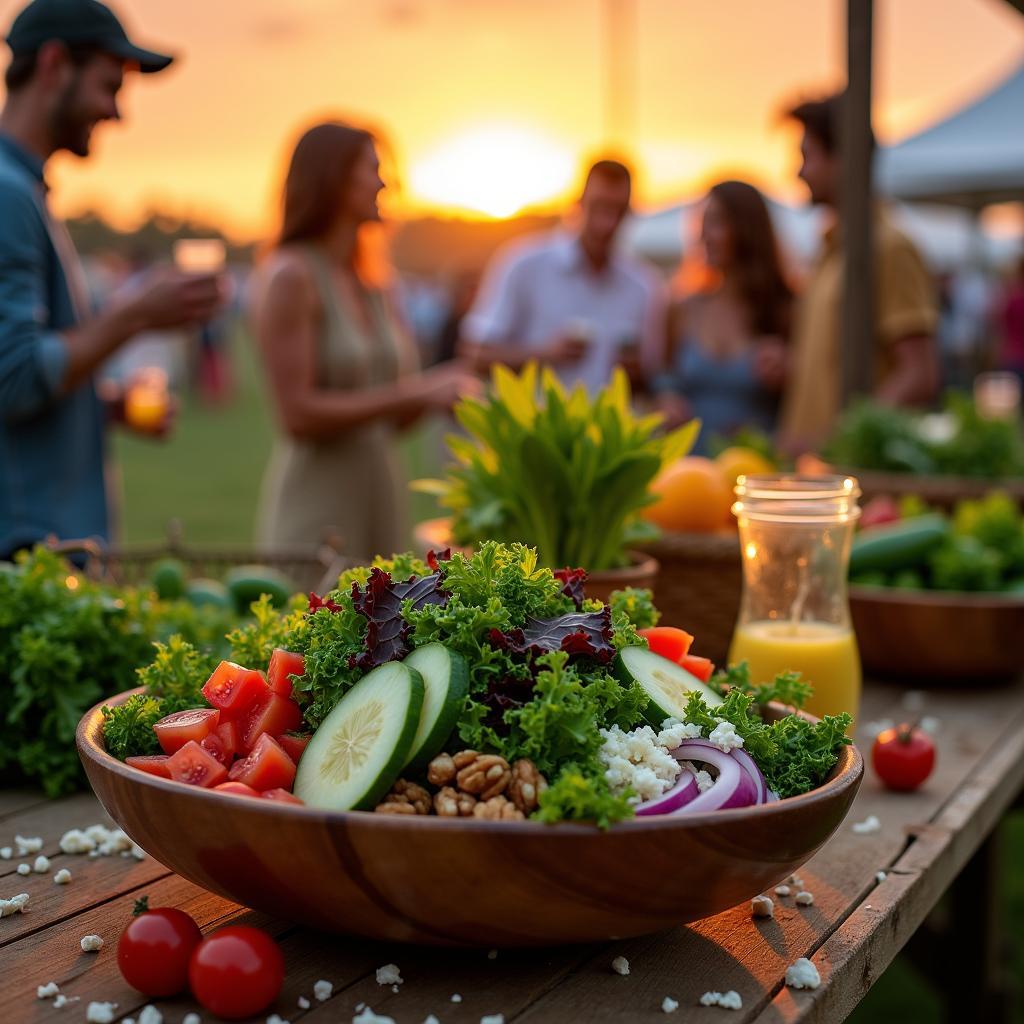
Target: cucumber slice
{"x": 361, "y": 747}
{"x": 666, "y": 683}
{"x": 446, "y": 678}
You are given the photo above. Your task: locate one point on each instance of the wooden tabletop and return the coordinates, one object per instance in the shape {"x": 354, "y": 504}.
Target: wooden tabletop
{"x": 857, "y": 924}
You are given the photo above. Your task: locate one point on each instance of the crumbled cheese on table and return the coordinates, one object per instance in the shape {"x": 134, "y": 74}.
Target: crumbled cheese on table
{"x": 191, "y": 1018}
{"x": 304, "y": 1003}
{"x": 28, "y": 845}
{"x": 430, "y": 1019}
{"x": 762, "y": 906}
{"x": 803, "y": 974}
{"x": 635, "y": 760}
{"x": 322, "y": 990}
{"x": 930, "y": 724}
{"x": 492, "y": 954}
{"x": 62, "y": 877}
{"x": 456, "y": 998}
{"x": 15, "y": 905}
{"x": 389, "y": 974}
{"x": 620, "y": 965}
{"x": 24, "y": 869}
{"x": 100, "y": 1013}
{"x": 41, "y": 865}
{"x": 804, "y": 899}
{"x": 274, "y": 1019}
{"x": 150, "y": 1015}
{"x": 493, "y": 1018}
{"x": 727, "y": 1000}
{"x": 867, "y": 826}
{"x": 782, "y": 890}
{"x": 725, "y": 737}
{"x": 797, "y": 881}
{"x": 91, "y": 943}
{"x": 48, "y": 991}
{"x": 669, "y": 1005}
{"x": 5, "y": 852}
{"x": 367, "y": 1016}
{"x": 76, "y": 841}
{"x": 880, "y": 876}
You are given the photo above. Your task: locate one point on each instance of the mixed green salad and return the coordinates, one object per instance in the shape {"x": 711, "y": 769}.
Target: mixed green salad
{"x": 493, "y": 660}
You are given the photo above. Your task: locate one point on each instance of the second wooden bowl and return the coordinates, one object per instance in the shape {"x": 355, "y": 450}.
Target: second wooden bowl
{"x": 465, "y": 882}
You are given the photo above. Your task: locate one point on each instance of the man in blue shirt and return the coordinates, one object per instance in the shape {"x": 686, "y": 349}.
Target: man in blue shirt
{"x": 68, "y": 64}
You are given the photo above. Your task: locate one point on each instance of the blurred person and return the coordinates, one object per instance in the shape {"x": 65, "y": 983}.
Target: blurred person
{"x": 906, "y": 359}
{"x": 1011, "y": 322}
{"x": 68, "y": 65}
{"x": 567, "y": 298}
{"x": 728, "y": 345}
{"x": 341, "y": 367}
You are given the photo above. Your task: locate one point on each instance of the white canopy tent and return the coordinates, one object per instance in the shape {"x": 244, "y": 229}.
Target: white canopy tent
{"x": 972, "y": 158}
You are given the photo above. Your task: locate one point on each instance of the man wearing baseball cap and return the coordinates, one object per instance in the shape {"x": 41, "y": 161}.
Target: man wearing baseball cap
{"x": 68, "y": 64}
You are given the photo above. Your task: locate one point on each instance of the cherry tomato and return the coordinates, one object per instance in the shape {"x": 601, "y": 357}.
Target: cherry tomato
{"x": 214, "y": 745}
{"x": 236, "y": 972}
{"x": 273, "y": 715}
{"x": 294, "y": 743}
{"x": 154, "y": 951}
{"x": 233, "y": 689}
{"x": 267, "y": 767}
{"x": 153, "y": 764}
{"x": 702, "y": 668}
{"x": 196, "y": 766}
{"x": 668, "y": 641}
{"x": 903, "y": 757}
{"x": 231, "y": 735}
{"x": 174, "y": 731}
{"x": 283, "y": 665}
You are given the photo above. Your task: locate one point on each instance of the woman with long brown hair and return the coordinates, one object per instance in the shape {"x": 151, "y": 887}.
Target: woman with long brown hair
{"x": 342, "y": 372}
{"x": 729, "y": 338}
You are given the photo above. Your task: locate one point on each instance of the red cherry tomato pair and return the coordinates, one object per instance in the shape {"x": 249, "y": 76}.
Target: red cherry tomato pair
{"x": 903, "y": 757}
{"x": 235, "y": 972}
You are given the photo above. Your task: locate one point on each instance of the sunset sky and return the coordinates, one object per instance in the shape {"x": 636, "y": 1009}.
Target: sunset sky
{"x": 490, "y": 105}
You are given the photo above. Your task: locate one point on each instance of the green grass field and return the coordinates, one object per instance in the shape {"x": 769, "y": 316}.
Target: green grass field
{"x": 208, "y": 476}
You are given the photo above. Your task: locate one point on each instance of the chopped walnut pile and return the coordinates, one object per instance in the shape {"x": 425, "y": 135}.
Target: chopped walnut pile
{"x": 405, "y": 798}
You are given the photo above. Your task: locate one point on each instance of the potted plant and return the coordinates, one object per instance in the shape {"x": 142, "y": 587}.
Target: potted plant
{"x": 559, "y": 471}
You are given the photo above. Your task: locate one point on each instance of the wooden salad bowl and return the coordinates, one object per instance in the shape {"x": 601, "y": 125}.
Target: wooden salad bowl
{"x": 939, "y": 636}
{"x": 465, "y": 882}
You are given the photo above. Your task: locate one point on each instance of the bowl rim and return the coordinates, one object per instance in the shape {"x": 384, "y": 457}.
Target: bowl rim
{"x": 847, "y": 773}
{"x": 951, "y": 599}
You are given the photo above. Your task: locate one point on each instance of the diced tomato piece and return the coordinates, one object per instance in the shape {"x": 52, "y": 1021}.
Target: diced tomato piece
{"x": 273, "y": 716}
{"x": 214, "y": 745}
{"x": 233, "y": 689}
{"x": 154, "y": 764}
{"x": 668, "y": 641}
{"x": 238, "y": 788}
{"x": 267, "y": 767}
{"x": 294, "y": 743}
{"x": 282, "y": 665}
{"x": 699, "y": 667}
{"x": 283, "y": 795}
{"x": 176, "y": 730}
{"x": 232, "y": 735}
{"x": 196, "y": 766}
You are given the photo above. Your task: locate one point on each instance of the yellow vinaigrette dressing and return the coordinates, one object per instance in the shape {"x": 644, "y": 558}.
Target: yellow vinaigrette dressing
{"x": 795, "y": 536}
{"x": 823, "y": 653}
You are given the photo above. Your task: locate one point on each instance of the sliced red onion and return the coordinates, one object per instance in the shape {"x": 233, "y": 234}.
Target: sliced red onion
{"x": 733, "y": 787}
{"x": 682, "y": 792}
{"x": 747, "y": 763}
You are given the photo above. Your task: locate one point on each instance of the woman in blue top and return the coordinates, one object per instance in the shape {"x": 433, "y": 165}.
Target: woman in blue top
{"x": 727, "y": 358}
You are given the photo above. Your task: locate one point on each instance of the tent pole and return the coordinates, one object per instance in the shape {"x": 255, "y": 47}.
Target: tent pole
{"x": 856, "y": 207}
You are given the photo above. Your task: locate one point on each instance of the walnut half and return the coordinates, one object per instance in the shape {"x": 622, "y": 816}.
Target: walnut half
{"x": 526, "y": 785}
{"x": 405, "y": 794}
{"x": 498, "y": 808}
{"x": 450, "y": 803}
{"x": 483, "y": 775}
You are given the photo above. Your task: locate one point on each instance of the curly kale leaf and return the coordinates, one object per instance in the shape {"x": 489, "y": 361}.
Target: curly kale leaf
{"x": 580, "y": 793}
{"x": 128, "y": 728}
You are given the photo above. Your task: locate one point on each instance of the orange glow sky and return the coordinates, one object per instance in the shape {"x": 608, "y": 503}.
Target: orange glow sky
{"x": 493, "y": 103}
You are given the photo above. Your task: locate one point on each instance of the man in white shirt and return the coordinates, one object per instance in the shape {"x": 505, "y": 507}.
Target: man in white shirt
{"x": 568, "y": 299}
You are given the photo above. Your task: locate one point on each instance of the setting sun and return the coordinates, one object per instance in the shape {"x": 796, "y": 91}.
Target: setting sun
{"x": 496, "y": 171}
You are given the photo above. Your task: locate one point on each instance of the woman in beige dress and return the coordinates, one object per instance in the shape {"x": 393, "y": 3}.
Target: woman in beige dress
{"x": 342, "y": 371}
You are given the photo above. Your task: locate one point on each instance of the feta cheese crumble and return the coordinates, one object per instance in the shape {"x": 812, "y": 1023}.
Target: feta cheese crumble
{"x": 635, "y": 760}
{"x": 304, "y": 1003}
{"x": 803, "y": 974}
{"x": 41, "y": 865}
{"x": 674, "y": 733}
{"x": 389, "y": 974}
{"x": 492, "y": 954}
{"x": 804, "y": 899}
{"x": 15, "y": 905}
{"x": 48, "y": 991}
{"x": 24, "y": 869}
{"x": 5, "y": 852}
{"x": 91, "y": 943}
{"x": 493, "y": 1018}
{"x": 725, "y": 737}
{"x": 797, "y": 881}
{"x": 76, "y": 841}
{"x": 867, "y": 826}
{"x": 620, "y": 965}
{"x": 880, "y": 876}
{"x": 322, "y": 990}
{"x": 62, "y": 877}
{"x": 27, "y": 846}
{"x": 669, "y": 1005}
{"x": 367, "y": 1016}
{"x": 430, "y": 1019}
{"x": 704, "y": 778}
{"x": 762, "y": 906}
{"x": 100, "y": 1013}
{"x": 272, "y": 1019}
{"x": 782, "y": 890}
{"x": 191, "y": 1018}
{"x": 456, "y": 998}
{"x": 727, "y": 1000}
{"x": 62, "y": 1000}
{"x": 150, "y": 1015}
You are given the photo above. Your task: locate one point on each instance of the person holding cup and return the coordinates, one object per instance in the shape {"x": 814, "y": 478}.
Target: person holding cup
{"x": 68, "y": 65}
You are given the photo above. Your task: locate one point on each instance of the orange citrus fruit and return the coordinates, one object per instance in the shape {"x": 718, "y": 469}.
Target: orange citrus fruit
{"x": 692, "y": 497}
{"x": 737, "y": 461}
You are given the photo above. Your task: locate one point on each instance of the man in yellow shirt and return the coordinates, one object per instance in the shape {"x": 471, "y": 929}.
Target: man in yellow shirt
{"x": 905, "y": 360}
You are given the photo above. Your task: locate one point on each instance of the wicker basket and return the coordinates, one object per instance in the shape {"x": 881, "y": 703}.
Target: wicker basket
{"x": 308, "y": 567}
{"x": 699, "y": 587}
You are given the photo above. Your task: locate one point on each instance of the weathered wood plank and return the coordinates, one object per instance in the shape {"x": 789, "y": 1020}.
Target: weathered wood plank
{"x": 14, "y": 801}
